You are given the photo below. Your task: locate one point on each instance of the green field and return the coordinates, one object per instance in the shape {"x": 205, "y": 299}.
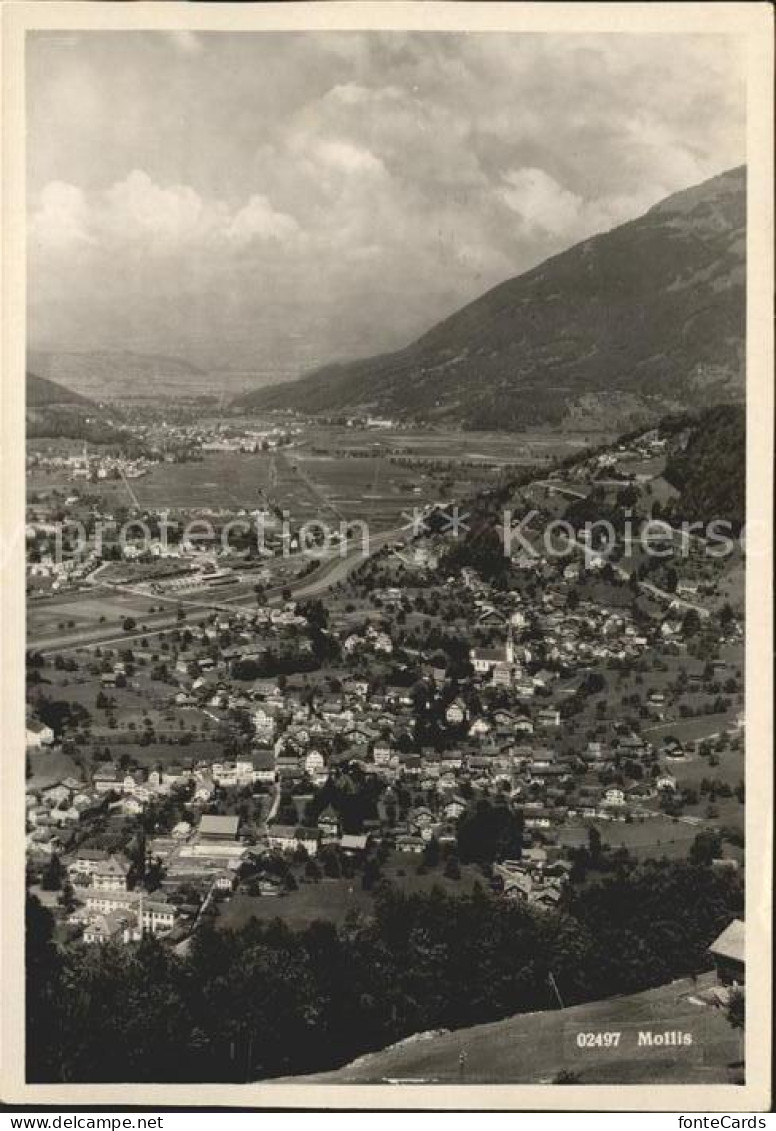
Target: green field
{"x": 693, "y": 729}
{"x": 534, "y": 1048}
{"x": 329, "y": 899}
{"x": 333, "y": 899}
{"x": 318, "y": 473}
{"x": 85, "y": 609}
{"x": 689, "y": 771}
{"x": 652, "y": 837}
{"x": 447, "y": 443}
{"x": 49, "y": 766}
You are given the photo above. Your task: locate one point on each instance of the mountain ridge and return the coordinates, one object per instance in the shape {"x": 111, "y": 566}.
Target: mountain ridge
{"x": 644, "y": 319}
{"x": 42, "y": 391}
{"x": 105, "y": 375}
{"x": 54, "y": 411}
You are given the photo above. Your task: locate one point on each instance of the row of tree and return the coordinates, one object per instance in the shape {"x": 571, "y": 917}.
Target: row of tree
{"x": 268, "y": 1001}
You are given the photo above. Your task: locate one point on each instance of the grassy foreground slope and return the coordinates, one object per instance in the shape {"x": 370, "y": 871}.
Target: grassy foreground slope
{"x": 535, "y": 1048}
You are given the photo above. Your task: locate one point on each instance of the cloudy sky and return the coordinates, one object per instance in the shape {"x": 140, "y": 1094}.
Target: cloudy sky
{"x": 269, "y": 201}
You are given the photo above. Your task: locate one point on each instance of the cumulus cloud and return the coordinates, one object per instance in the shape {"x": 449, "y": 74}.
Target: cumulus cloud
{"x": 138, "y": 209}
{"x": 159, "y": 219}
{"x": 342, "y": 191}
{"x": 61, "y": 219}
{"x": 259, "y": 220}
{"x": 541, "y": 202}
{"x": 549, "y": 209}
{"x": 351, "y": 159}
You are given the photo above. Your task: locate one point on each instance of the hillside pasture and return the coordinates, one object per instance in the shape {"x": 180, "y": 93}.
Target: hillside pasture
{"x": 650, "y": 837}
{"x": 332, "y": 899}
{"x": 535, "y": 1048}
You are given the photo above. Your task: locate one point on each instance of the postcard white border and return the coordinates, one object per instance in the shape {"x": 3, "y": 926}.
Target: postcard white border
{"x": 754, "y": 24}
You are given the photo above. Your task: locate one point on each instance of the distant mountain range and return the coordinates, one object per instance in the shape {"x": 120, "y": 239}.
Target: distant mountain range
{"x": 41, "y": 392}
{"x": 121, "y": 375}
{"x": 629, "y": 325}
{"x": 107, "y": 375}
{"x": 52, "y": 410}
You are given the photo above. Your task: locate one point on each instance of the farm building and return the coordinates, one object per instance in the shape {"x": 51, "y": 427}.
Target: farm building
{"x": 728, "y": 952}
{"x": 218, "y": 828}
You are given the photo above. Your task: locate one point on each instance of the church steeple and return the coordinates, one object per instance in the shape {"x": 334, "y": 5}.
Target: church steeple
{"x": 510, "y": 645}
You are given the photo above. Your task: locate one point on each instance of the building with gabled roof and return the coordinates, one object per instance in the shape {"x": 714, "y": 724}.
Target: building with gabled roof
{"x": 212, "y": 827}
{"x": 729, "y": 953}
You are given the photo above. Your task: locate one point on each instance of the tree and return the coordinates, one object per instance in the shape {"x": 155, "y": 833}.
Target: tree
{"x": 707, "y": 846}
{"x": 371, "y": 874}
{"x": 128, "y": 624}
{"x": 330, "y": 860}
{"x": 594, "y": 845}
{"x": 43, "y": 999}
{"x": 489, "y": 832}
{"x": 273, "y": 1000}
{"x": 452, "y": 868}
{"x": 593, "y": 684}
{"x": 67, "y": 898}
{"x": 691, "y": 623}
{"x": 287, "y": 814}
{"x": 431, "y": 853}
{"x": 313, "y": 871}
{"x": 736, "y": 1008}
{"x": 53, "y": 874}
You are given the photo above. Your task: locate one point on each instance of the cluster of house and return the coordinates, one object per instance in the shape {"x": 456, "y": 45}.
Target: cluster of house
{"x": 212, "y": 856}
{"x": 94, "y": 465}
{"x": 108, "y": 909}
{"x": 234, "y": 439}
{"x": 641, "y": 448}
{"x": 73, "y": 803}
{"x": 58, "y": 572}
{"x": 299, "y": 739}
{"x": 591, "y": 633}
{"x": 136, "y": 788}
{"x": 371, "y": 639}
{"x": 57, "y": 806}
{"x": 538, "y": 877}
{"x": 209, "y": 857}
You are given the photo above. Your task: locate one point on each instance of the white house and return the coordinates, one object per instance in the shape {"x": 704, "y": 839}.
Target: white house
{"x": 110, "y": 875}
{"x": 456, "y": 711}
{"x": 38, "y": 735}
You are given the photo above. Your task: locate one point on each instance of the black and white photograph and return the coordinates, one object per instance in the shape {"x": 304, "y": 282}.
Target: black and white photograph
{"x": 388, "y": 543}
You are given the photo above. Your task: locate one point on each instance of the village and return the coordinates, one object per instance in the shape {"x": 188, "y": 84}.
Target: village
{"x": 429, "y": 722}
{"x": 387, "y": 557}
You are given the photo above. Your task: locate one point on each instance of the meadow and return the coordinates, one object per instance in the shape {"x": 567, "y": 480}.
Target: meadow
{"x": 650, "y": 838}
{"x": 534, "y": 1048}
{"x": 84, "y": 610}
{"x": 499, "y": 447}
{"x": 333, "y": 899}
